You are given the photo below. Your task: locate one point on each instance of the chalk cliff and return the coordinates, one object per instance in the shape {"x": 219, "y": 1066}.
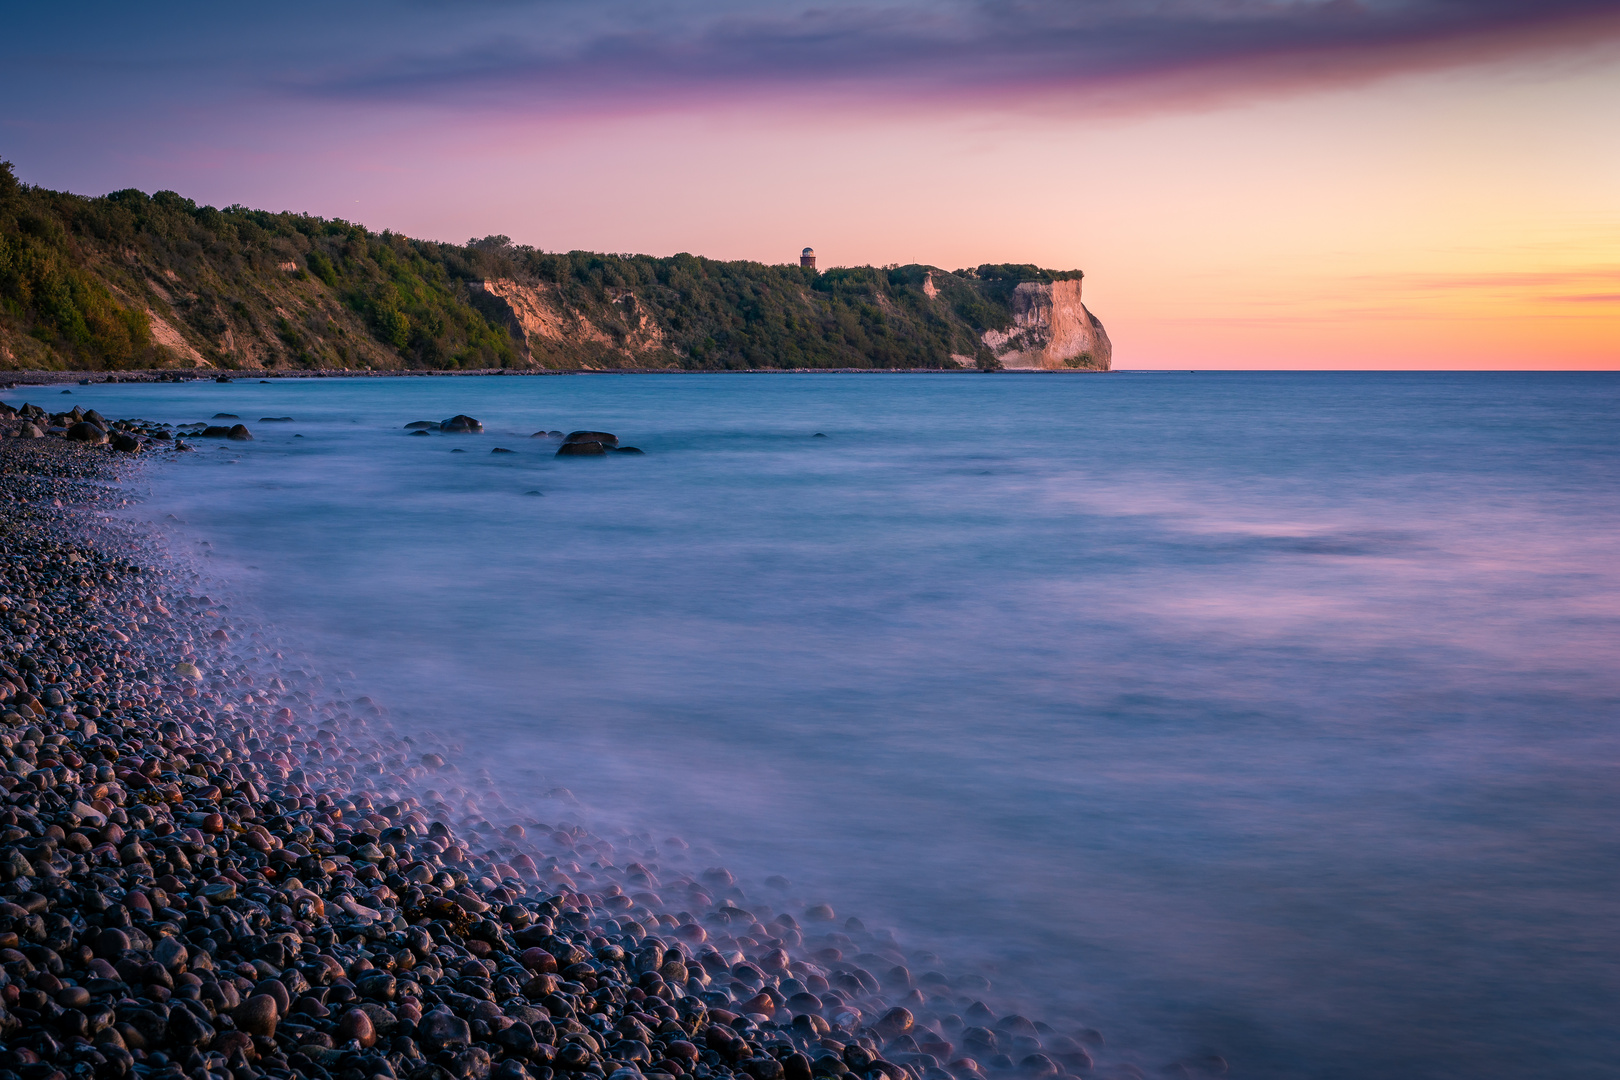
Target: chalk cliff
{"x": 130, "y": 281}
{"x": 1052, "y": 330}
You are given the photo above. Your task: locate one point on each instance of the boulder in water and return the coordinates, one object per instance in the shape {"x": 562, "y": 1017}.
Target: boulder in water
{"x": 461, "y": 424}
{"x": 239, "y": 432}
{"x": 420, "y": 425}
{"x": 86, "y": 432}
{"x": 591, "y": 437}
{"x": 581, "y": 449}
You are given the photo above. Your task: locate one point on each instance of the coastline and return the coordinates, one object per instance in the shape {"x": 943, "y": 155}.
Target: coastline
{"x": 217, "y": 868}
{"x": 66, "y": 378}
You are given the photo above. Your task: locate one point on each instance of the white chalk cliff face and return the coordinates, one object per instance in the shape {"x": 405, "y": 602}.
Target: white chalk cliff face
{"x": 1051, "y": 331}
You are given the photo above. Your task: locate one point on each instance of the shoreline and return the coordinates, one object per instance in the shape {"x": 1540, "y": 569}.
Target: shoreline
{"x": 12, "y": 379}
{"x": 217, "y": 868}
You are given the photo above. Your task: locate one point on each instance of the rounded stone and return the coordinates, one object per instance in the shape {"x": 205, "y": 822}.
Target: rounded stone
{"x": 538, "y": 959}
{"x": 277, "y": 991}
{"x": 441, "y": 1029}
{"x": 86, "y": 432}
{"x": 258, "y": 1015}
{"x": 356, "y": 1026}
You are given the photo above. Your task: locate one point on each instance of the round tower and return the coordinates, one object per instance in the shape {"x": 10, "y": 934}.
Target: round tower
{"x": 807, "y": 257}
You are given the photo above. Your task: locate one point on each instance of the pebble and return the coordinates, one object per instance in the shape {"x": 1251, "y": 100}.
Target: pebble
{"x": 214, "y": 867}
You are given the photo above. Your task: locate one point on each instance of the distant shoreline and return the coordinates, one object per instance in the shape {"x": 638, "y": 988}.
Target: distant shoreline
{"x": 55, "y": 378}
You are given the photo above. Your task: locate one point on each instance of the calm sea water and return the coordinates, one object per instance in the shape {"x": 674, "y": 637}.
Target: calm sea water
{"x": 1269, "y": 715}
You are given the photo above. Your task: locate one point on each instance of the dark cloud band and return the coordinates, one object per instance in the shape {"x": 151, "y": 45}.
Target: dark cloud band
{"x": 987, "y": 49}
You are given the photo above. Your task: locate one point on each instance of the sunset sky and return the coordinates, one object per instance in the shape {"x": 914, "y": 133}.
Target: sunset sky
{"x": 1247, "y": 183}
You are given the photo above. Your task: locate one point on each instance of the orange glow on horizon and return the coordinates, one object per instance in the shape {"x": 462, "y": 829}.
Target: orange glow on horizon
{"x": 1464, "y": 219}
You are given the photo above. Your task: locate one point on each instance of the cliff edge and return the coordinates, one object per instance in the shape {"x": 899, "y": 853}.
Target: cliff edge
{"x": 551, "y": 332}
{"x": 1051, "y": 331}
{"x": 136, "y": 281}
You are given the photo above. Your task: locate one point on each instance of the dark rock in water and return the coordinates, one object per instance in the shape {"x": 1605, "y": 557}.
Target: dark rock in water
{"x": 275, "y": 419}
{"x": 580, "y": 449}
{"x": 534, "y": 493}
{"x": 1038, "y": 1065}
{"x": 502, "y": 450}
{"x": 818, "y": 435}
{"x": 628, "y": 450}
{"x": 222, "y": 378}
{"x": 226, "y": 416}
{"x": 67, "y": 391}
{"x": 86, "y": 432}
{"x": 462, "y": 425}
{"x": 420, "y": 425}
{"x": 546, "y": 435}
{"x": 239, "y": 432}
{"x": 894, "y": 1023}
{"x": 602, "y": 437}
{"x": 418, "y": 433}
{"x": 129, "y": 444}
{"x": 458, "y": 450}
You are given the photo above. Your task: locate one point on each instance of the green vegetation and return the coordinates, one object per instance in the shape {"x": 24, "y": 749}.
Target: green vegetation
{"x": 129, "y": 280}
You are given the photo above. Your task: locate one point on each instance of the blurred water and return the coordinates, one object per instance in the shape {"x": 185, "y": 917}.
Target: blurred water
{"x": 1271, "y": 715}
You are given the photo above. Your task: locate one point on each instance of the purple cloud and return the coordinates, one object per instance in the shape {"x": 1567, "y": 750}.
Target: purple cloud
{"x": 987, "y": 50}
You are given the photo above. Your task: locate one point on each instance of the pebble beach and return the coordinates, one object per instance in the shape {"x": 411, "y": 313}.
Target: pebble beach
{"x": 215, "y": 866}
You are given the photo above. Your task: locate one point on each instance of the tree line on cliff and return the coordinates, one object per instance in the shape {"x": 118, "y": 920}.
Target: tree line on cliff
{"x": 136, "y": 281}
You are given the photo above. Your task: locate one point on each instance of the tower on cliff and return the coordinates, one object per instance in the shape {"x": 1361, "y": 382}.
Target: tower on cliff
{"x": 807, "y": 257}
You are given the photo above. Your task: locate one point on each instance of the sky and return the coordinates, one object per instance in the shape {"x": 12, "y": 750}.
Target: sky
{"x": 1247, "y": 183}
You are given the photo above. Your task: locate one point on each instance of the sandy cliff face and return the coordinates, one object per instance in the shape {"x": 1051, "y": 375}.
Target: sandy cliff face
{"x": 1052, "y": 330}
{"x": 548, "y": 331}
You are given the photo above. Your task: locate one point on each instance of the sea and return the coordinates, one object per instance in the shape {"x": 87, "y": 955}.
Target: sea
{"x": 1267, "y": 716}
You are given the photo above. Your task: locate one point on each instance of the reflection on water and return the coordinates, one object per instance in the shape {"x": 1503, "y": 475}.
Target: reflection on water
{"x": 1266, "y": 715}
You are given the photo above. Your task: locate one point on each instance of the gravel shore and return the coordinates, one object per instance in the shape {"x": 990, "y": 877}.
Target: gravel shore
{"x": 215, "y": 867}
